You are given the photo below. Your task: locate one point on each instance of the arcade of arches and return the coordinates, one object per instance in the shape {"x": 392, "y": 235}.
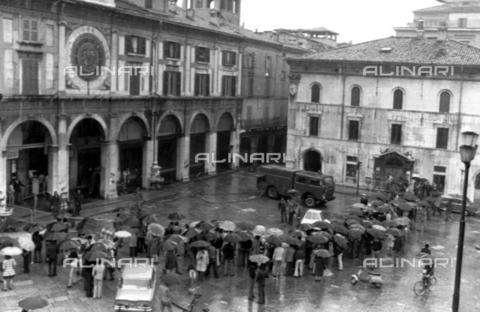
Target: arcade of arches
{"x": 85, "y": 154}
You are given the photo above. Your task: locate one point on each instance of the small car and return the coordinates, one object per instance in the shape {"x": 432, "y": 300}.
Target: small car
{"x": 471, "y": 209}
{"x": 137, "y": 289}
{"x": 312, "y": 216}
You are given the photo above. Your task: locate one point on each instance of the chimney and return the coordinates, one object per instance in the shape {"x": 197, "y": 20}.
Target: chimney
{"x": 420, "y": 28}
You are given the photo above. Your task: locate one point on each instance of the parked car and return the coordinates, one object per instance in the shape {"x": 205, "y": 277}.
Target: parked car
{"x": 137, "y": 289}
{"x": 313, "y": 187}
{"x": 471, "y": 209}
{"x": 313, "y": 215}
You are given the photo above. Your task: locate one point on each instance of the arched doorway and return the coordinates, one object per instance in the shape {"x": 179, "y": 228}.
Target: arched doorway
{"x": 224, "y": 133}
{"x": 86, "y": 157}
{"x": 170, "y": 131}
{"x": 198, "y": 144}
{"x": 131, "y": 142}
{"x": 312, "y": 161}
{"x": 29, "y": 159}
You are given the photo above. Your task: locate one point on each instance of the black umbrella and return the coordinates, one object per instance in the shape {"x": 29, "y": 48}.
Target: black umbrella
{"x": 175, "y": 216}
{"x": 92, "y": 256}
{"x": 55, "y": 236}
{"x": 33, "y": 303}
{"x": 200, "y": 244}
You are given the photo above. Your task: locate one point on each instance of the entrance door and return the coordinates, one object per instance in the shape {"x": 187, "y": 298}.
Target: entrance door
{"x": 312, "y": 161}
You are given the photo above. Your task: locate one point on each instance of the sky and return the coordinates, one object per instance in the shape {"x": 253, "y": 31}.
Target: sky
{"x": 354, "y": 20}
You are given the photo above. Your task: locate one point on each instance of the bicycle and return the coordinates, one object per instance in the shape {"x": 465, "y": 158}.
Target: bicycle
{"x": 420, "y": 288}
{"x": 195, "y": 297}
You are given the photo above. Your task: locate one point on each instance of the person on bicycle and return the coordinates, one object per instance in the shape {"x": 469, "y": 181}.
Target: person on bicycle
{"x": 427, "y": 274}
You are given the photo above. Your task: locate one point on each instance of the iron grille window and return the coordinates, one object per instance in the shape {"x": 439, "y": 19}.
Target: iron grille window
{"x": 171, "y": 50}
{"x": 135, "y": 45}
{"x": 171, "y": 83}
{"x": 202, "y": 84}
{"x": 314, "y": 123}
{"x": 202, "y": 55}
{"x": 353, "y": 130}
{"x": 229, "y": 86}
{"x": 442, "y": 138}
{"x": 229, "y": 58}
{"x": 444, "y": 102}
{"x": 30, "y": 30}
{"x": 398, "y": 99}
{"x": 396, "y": 135}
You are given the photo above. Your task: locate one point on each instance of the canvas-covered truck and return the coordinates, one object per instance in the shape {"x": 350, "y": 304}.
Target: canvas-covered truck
{"x": 314, "y": 188}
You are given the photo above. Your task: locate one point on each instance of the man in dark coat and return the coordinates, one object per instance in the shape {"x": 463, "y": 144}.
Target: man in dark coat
{"x": 37, "y": 253}
{"x": 262, "y": 275}
{"x": 27, "y": 258}
{"x": 78, "y": 200}
{"x": 252, "y": 273}
{"x": 52, "y": 253}
{"x": 282, "y": 206}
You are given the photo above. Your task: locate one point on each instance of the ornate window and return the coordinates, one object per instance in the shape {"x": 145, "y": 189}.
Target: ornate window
{"x": 315, "y": 93}
{"x": 355, "y": 96}
{"x": 398, "y": 99}
{"x": 444, "y": 102}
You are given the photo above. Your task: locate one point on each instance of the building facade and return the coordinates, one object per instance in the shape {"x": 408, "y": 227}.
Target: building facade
{"x": 454, "y": 19}
{"x": 379, "y": 109}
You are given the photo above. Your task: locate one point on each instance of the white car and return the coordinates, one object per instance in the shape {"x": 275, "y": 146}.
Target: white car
{"x": 312, "y": 216}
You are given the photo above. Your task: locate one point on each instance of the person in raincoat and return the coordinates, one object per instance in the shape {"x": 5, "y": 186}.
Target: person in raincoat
{"x": 319, "y": 268}
{"x": 252, "y": 274}
{"x": 278, "y": 261}
{"x": 202, "y": 260}
{"x": 261, "y": 277}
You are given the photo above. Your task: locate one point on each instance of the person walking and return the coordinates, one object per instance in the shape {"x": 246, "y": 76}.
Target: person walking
{"x": 291, "y": 206}
{"x": 244, "y": 252}
{"x": 278, "y": 260}
{"x": 212, "y": 262}
{"x": 37, "y": 252}
{"x": 72, "y": 273}
{"x": 282, "y": 206}
{"x": 252, "y": 274}
{"x": 52, "y": 257}
{"x": 78, "y": 200}
{"x": 132, "y": 242}
{"x": 27, "y": 259}
{"x": 299, "y": 261}
{"x": 8, "y": 267}
{"x": 262, "y": 275}
{"x": 171, "y": 261}
{"x": 290, "y": 260}
{"x": 228, "y": 251}
{"x": 97, "y": 273}
{"x": 202, "y": 259}
{"x": 319, "y": 267}
{"x": 338, "y": 253}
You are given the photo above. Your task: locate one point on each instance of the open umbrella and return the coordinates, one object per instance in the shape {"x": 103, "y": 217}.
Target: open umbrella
{"x": 169, "y": 245}
{"x": 68, "y": 244}
{"x": 338, "y": 228}
{"x": 351, "y": 221}
{"x": 33, "y": 303}
{"x": 58, "y": 227}
{"x": 274, "y": 232}
{"x": 292, "y": 241}
{"x": 355, "y": 234}
{"x": 192, "y": 232}
{"x": 64, "y": 215}
{"x": 384, "y": 208}
{"x": 322, "y": 253}
{"x": 92, "y": 256}
{"x": 357, "y": 212}
{"x": 395, "y": 232}
{"x": 205, "y": 226}
{"x": 357, "y": 226}
{"x": 245, "y": 226}
{"x": 80, "y": 240}
{"x": 324, "y": 225}
{"x": 55, "y": 236}
{"x": 384, "y": 197}
{"x": 244, "y": 236}
{"x": 376, "y": 233}
{"x": 175, "y": 216}
{"x": 232, "y": 238}
{"x": 402, "y": 221}
{"x": 377, "y": 203}
{"x": 379, "y": 227}
{"x": 317, "y": 239}
{"x": 367, "y": 223}
{"x": 259, "y": 230}
{"x": 409, "y": 196}
{"x": 97, "y": 247}
{"x": 177, "y": 238}
{"x": 7, "y": 242}
{"x": 123, "y": 234}
{"x": 341, "y": 241}
{"x": 152, "y": 218}
{"x": 305, "y": 227}
{"x": 200, "y": 244}
{"x": 259, "y": 259}
{"x": 109, "y": 244}
{"x": 273, "y": 240}
{"x": 26, "y": 243}
{"x": 156, "y": 229}
{"x": 227, "y": 226}
{"x": 132, "y": 222}
{"x": 10, "y": 251}
{"x": 359, "y": 206}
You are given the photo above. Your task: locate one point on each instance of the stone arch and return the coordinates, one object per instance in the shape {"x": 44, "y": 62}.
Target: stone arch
{"x": 312, "y": 159}
{"x": 177, "y": 116}
{"x": 228, "y": 114}
{"x": 126, "y": 117}
{"x": 194, "y": 116}
{"x": 19, "y": 121}
{"x": 75, "y": 121}
{"x": 440, "y": 99}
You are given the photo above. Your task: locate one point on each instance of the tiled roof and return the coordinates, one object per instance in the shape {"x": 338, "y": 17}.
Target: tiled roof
{"x": 403, "y": 50}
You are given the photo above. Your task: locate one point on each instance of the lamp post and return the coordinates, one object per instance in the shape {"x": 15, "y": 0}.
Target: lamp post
{"x": 467, "y": 153}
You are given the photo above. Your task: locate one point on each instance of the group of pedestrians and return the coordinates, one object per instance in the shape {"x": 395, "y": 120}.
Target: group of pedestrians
{"x": 289, "y": 210}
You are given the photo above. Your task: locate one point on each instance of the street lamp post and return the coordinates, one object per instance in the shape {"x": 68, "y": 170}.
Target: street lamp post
{"x": 467, "y": 153}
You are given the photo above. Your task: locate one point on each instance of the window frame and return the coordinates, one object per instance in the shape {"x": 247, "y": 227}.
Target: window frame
{"x": 358, "y": 98}
{"x": 28, "y": 29}
{"x": 444, "y": 107}
{"x": 198, "y": 58}
{"x": 174, "y": 88}
{"x": 315, "y": 133}
{"x": 202, "y": 84}
{"x": 350, "y": 123}
{"x": 229, "y": 58}
{"x": 442, "y": 137}
{"x": 440, "y": 174}
{"x": 141, "y": 45}
{"x": 318, "y": 94}
{"x": 396, "y": 104}
{"x": 352, "y": 162}
{"x": 177, "y": 50}
{"x": 398, "y": 126}
{"x": 229, "y": 85}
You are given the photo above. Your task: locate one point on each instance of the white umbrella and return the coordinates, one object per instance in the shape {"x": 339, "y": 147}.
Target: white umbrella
{"x": 123, "y": 234}
{"x": 379, "y": 227}
{"x": 227, "y": 226}
{"x": 275, "y": 232}
{"x": 26, "y": 243}
{"x": 259, "y": 230}
{"x": 11, "y": 251}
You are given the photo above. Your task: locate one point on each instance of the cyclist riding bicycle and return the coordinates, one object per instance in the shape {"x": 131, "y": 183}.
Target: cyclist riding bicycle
{"x": 427, "y": 274}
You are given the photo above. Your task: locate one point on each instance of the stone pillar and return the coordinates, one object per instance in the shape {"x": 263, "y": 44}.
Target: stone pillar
{"x": 62, "y": 58}
{"x": 239, "y": 76}
{"x": 109, "y": 170}
{"x": 59, "y": 160}
{"x": 149, "y": 157}
{"x": 183, "y": 158}
{"x": 210, "y": 165}
{"x": 235, "y": 150}
{"x": 3, "y": 172}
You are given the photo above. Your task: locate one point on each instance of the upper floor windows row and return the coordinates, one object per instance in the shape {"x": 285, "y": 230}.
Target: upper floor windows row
{"x": 398, "y": 97}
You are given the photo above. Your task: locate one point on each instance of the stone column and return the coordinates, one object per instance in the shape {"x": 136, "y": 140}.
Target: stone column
{"x": 148, "y": 159}
{"x": 239, "y": 75}
{"x": 62, "y": 58}
{"x": 210, "y": 165}
{"x": 109, "y": 170}
{"x": 235, "y": 150}
{"x": 59, "y": 160}
{"x": 183, "y": 158}
{"x": 3, "y": 173}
